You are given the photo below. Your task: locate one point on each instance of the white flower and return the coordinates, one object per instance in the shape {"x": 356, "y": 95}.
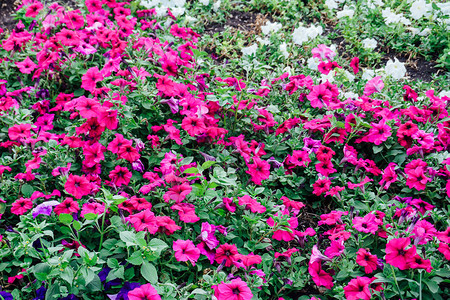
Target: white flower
{"x": 445, "y": 7}
{"x": 419, "y": 9}
{"x": 369, "y": 43}
{"x": 444, "y": 94}
{"x": 346, "y": 12}
{"x": 313, "y": 63}
{"x": 250, "y": 50}
{"x": 331, "y": 4}
{"x": 368, "y": 74}
{"x": 303, "y": 34}
{"x": 263, "y": 41}
{"x": 329, "y": 77}
{"x": 216, "y": 5}
{"x": 350, "y": 76}
{"x": 161, "y": 11}
{"x": 283, "y": 50}
{"x": 390, "y": 17}
{"x": 396, "y": 69}
{"x": 372, "y": 4}
{"x": 351, "y": 95}
{"x": 270, "y": 27}
{"x": 425, "y": 32}
{"x": 204, "y": 2}
{"x": 300, "y": 35}
{"x": 190, "y": 19}
{"x": 177, "y": 11}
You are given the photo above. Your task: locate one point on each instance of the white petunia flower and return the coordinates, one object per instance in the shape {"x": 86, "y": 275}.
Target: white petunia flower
{"x": 368, "y": 74}
{"x": 420, "y": 9}
{"x": 396, "y": 69}
{"x": 216, "y": 5}
{"x": 331, "y": 4}
{"x": 177, "y": 11}
{"x": 270, "y": 27}
{"x": 369, "y": 43}
{"x": 283, "y": 50}
{"x": 346, "y": 12}
{"x": 263, "y": 41}
{"x": 444, "y": 94}
{"x": 250, "y": 50}
{"x": 204, "y": 2}
{"x": 313, "y": 63}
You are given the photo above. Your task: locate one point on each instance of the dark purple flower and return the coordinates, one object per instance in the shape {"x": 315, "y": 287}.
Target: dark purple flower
{"x": 40, "y": 293}
{"x": 128, "y": 286}
{"x": 6, "y": 296}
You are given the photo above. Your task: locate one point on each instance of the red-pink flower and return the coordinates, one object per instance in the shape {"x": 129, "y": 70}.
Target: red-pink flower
{"x": 92, "y": 208}
{"x": 227, "y": 253}
{"x": 259, "y": 170}
{"x": 397, "y": 255}
{"x": 90, "y": 79}
{"x": 379, "y": 132}
{"x": 186, "y": 251}
{"x": 355, "y": 65}
{"x": 235, "y": 290}
{"x": 27, "y": 66}
{"x": 186, "y": 212}
{"x": 19, "y": 132}
{"x": 178, "y": 192}
{"x": 21, "y": 206}
{"x": 34, "y": 9}
{"x": 319, "y": 276}
{"x": 358, "y": 288}
{"x": 367, "y": 260}
{"x": 368, "y": 224}
{"x": 120, "y": 175}
{"x": 144, "y": 292}
{"x": 77, "y": 186}
{"x": 321, "y": 186}
{"x": 145, "y": 220}
{"x": 68, "y": 206}
{"x": 252, "y": 204}
{"x": 320, "y": 96}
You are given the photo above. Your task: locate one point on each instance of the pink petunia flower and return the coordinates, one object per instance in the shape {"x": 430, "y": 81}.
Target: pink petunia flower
{"x": 27, "y": 66}
{"x": 235, "y": 290}
{"x": 144, "y": 292}
{"x": 186, "y": 251}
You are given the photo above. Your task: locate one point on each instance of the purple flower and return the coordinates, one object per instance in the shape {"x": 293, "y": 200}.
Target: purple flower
{"x": 40, "y": 293}
{"x": 207, "y": 235}
{"x": 44, "y": 208}
{"x": 138, "y": 166}
{"x": 311, "y": 145}
{"x": 6, "y": 296}
{"x": 173, "y": 104}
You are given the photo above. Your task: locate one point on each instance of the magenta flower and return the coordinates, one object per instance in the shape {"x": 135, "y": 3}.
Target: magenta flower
{"x": 379, "y": 132}
{"x": 235, "y": 290}
{"x": 259, "y": 170}
{"x": 186, "y": 251}
{"x": 27, "y": 66}
{"x": 367, "y": 224}
{"x": 144, "y": 292}
{"x": 90, "y": 79}
{"x": 358, "y": 288}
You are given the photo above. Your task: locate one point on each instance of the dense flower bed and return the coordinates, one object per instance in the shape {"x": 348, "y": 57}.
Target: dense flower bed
{"x": 133, "y": 167}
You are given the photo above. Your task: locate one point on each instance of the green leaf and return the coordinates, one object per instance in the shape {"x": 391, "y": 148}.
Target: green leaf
{"x": 90, "y": 216}
{"x": 148, "y": 271}
{"x": 208, "y": 164}
{"x": 65, "y": 218}
{"x": 157, "y": 245}
{"x": 128, "y": 237}
{"x": 78, "y": 92}
{"x": 27, "y": 190}
{"x": 136, "y": 258}
{"x": 76, "y": 225}
{"x": 67, "y": 275}
{"x": 433, "y": 286}
{"x": 191, "y": 171}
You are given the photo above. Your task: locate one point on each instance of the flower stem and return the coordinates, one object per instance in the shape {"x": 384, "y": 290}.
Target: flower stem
{"x": 396, "y": 283}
